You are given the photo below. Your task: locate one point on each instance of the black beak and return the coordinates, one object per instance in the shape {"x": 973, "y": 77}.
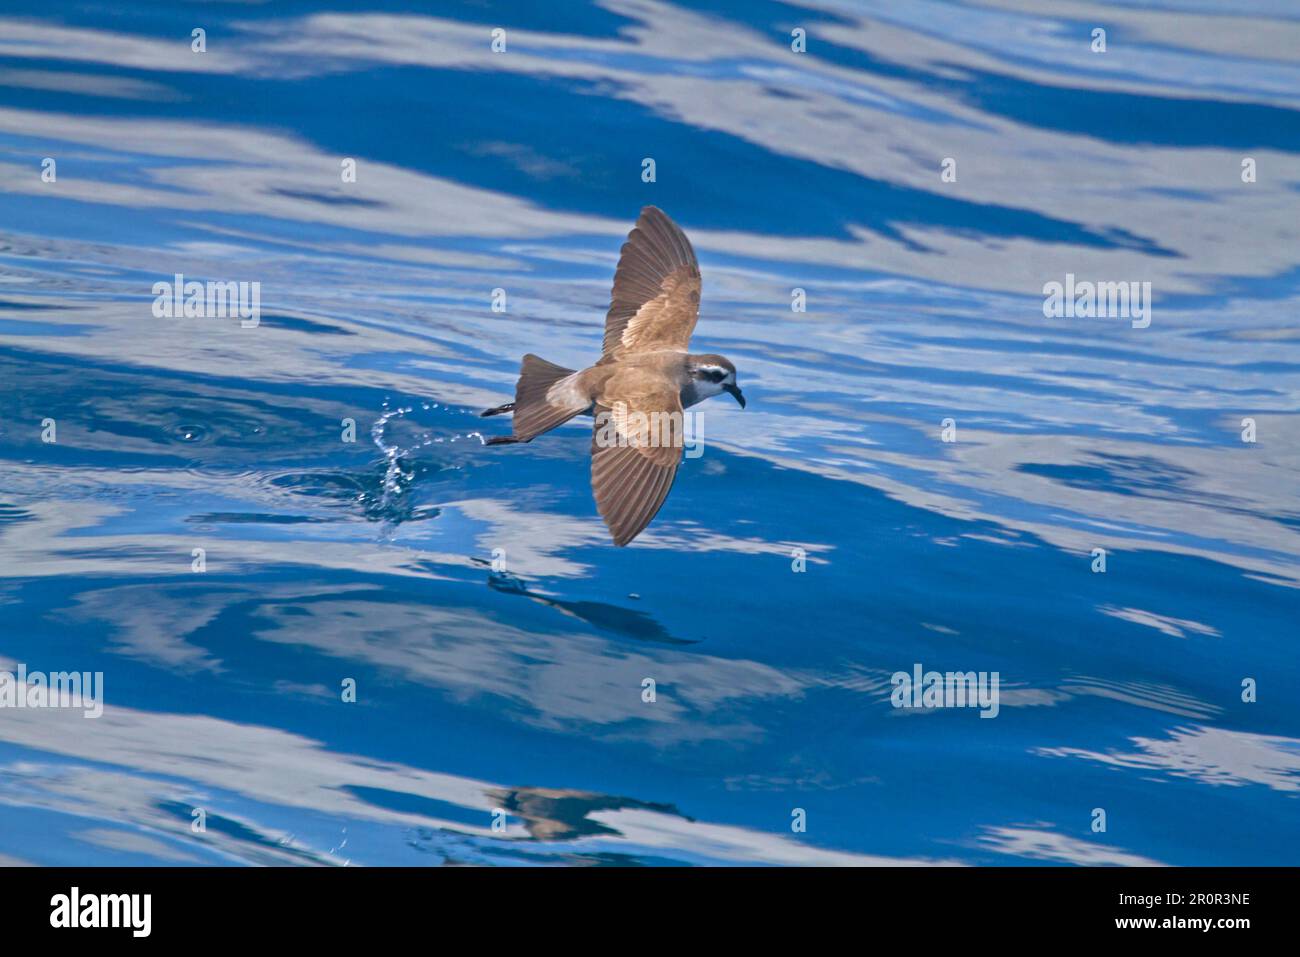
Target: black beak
{"x": 736, "y": 394}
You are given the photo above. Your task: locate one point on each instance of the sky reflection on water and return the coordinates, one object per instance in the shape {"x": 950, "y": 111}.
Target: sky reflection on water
{"x": 522, "y": 690}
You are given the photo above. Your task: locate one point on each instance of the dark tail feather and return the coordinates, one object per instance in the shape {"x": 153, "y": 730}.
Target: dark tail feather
{"x": 534, "y": 413}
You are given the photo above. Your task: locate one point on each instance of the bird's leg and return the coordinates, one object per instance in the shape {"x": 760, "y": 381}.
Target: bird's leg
{"x": 508, "y": 407}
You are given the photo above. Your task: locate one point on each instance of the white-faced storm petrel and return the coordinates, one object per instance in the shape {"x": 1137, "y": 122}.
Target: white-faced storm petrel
{"x": 641, "y": 384}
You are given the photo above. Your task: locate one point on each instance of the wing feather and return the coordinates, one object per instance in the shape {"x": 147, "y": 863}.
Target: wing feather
{"x": 655, "y": 301}
{"x": 632, "y": 470}
{"x": 631, "y": 491}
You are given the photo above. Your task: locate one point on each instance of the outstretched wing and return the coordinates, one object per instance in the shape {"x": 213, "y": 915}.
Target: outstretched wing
{"x": 636, "y": 446}
{"x": 656, "y": 297}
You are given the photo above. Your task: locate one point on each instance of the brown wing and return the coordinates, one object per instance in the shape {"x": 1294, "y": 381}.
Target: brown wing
{"x": 636, "y": 446}
{"x": 656, "y": 297}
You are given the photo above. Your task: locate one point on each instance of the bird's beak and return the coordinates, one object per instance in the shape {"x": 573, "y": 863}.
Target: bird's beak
{"x": 736, "y": 394}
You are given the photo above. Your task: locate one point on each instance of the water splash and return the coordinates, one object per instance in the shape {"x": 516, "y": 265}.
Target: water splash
{"x": 394, "y": 477}
{"x": 392, "y": 506}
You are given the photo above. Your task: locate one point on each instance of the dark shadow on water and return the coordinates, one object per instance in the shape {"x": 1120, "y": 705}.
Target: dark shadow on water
{"x": 251, "y": 518}
{"x": 615, "y": 619}
{"x": 237, "y": 832}
{"x": 561, "y": 815}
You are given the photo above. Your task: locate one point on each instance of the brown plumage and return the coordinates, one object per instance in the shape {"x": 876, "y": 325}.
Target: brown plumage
{"x": 656, "y": 297}
{"x": 641, "y": 384}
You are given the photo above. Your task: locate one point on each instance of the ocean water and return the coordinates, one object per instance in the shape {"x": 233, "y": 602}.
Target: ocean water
{"x": 181, "y": 509}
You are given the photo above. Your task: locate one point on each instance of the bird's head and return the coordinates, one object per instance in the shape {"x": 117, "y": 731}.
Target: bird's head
{"x": 711, "y": 375}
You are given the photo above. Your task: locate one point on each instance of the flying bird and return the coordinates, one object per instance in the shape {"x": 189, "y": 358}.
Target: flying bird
{"x": 641, "y": 384}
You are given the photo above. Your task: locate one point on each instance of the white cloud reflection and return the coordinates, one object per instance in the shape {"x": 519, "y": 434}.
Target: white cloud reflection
{"x": 1214, "y": 756}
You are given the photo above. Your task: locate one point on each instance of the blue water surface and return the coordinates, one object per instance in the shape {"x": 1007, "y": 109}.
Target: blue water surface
{"x": 925, "y": 473}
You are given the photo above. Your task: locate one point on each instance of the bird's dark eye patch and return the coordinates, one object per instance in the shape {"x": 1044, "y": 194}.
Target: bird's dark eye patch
{"x": 713, "y": 375}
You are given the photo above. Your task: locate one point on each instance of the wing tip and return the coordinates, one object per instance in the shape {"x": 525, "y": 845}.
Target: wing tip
{"x": 625, "y": 536}
{"x": 653, "y": 214}
{"x": 628, "y": 509}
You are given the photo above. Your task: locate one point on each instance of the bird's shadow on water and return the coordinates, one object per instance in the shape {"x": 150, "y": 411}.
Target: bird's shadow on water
{"x": 615, "y": 619}
{"x": 564, "y": 815}
{"x": 550, "y": 816}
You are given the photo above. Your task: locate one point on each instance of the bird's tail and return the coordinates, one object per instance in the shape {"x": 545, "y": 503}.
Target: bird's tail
{"x": 535, "y": 413}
